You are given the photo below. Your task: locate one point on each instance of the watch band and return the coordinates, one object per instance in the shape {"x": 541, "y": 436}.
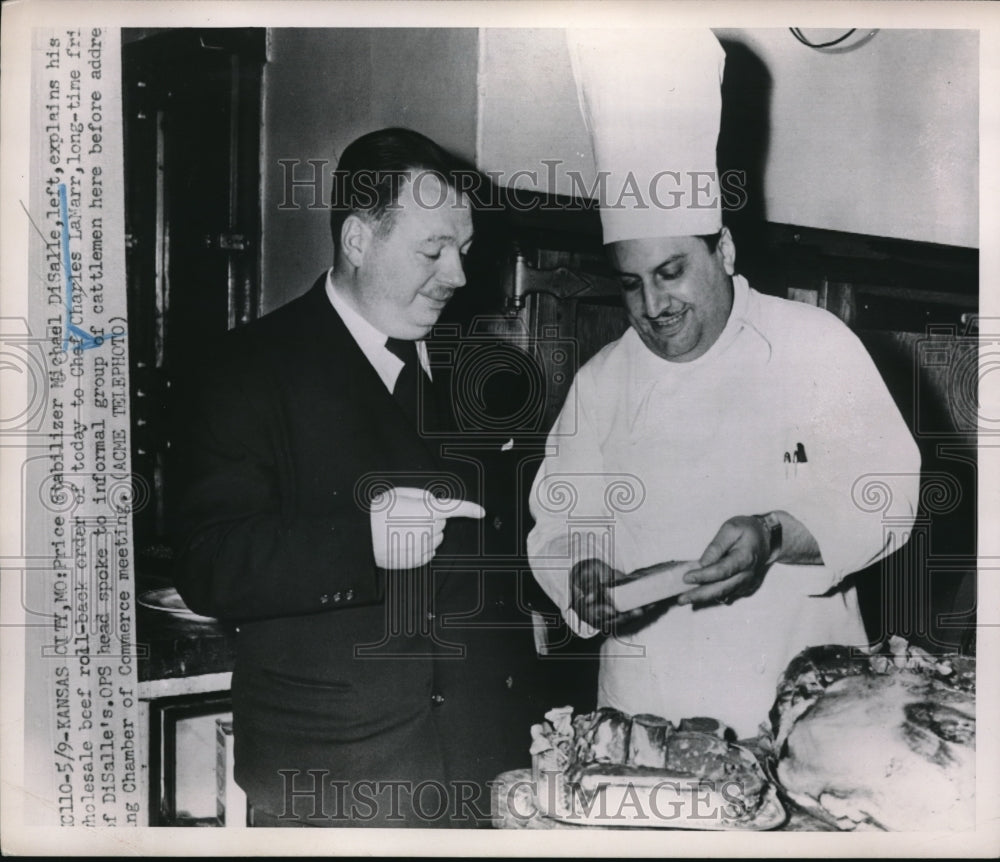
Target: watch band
{"x": 772, "y": 526}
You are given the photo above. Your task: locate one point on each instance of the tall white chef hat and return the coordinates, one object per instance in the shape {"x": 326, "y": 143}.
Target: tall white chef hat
{"x": 652, "y": 101}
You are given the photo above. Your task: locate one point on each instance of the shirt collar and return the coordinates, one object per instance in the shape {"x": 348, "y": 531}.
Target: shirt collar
{"x": 746, "y": 313}
{"x": 370, "y": 339}
{"x": 739, "y": 316}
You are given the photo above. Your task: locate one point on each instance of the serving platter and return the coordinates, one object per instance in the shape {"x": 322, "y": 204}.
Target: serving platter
{"x": 673, "y": 804}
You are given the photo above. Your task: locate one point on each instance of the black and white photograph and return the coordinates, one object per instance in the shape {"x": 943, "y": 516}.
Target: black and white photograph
{"x": 484, "y": 428}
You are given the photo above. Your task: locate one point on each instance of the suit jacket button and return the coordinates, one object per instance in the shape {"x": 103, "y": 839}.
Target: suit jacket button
{"x": 324, "y": 599}
{"x": 497, "y": 523}
{"x": 336, "y": 597}
{"x": 437, "y": 699}
{"x": 509, "y": 682}
{"x": 349, "y": 595}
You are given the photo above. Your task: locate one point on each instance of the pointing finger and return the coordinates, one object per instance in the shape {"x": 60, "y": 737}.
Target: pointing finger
{"x": 462, "y": 509}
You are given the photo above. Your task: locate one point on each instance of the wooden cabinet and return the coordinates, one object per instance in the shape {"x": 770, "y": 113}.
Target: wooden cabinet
{"x": 192, "y": 109}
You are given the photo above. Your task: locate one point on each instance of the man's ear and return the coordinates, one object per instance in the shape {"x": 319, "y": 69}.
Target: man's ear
{"x": 355, "y": 238}
{"x": 726, "y": 249}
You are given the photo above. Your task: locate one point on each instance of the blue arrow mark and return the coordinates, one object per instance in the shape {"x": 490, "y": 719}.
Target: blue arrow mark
{"x": 86, "y": 340}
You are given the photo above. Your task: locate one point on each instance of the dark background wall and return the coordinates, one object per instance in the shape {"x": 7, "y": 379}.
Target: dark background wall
{"x": 322, "y": 89}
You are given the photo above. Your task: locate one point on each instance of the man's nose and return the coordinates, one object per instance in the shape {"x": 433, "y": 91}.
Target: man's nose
{"x": 656, "y": 299}
{"x": 452, "y": 272}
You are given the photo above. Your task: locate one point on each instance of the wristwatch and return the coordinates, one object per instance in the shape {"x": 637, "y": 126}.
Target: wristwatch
{"x": 772, "y": 526}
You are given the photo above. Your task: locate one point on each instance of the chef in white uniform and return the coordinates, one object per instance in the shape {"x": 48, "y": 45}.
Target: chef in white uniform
{"x": 750, "y": 434}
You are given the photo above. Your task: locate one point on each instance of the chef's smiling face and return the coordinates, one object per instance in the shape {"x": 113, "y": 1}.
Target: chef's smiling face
{"x": 411, "y": 264}
{"x": 678, "y": 292}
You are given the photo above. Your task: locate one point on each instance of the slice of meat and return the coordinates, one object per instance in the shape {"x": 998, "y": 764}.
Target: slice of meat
{"x": 601, "y": 737}
{"x": 648, "y": 741}
{"x": 695, "y": 753}
{"x": 725, "y": 768}
{"x": 701, "y": 724}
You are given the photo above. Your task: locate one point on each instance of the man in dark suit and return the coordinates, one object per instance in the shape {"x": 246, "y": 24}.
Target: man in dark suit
{"x": 373, "y": 682}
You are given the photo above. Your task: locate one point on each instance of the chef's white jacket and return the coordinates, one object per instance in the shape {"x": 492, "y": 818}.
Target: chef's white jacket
{"x": 649, "y": 457}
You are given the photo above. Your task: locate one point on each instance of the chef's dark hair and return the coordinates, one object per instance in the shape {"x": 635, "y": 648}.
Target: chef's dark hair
{"x": 373, "y": 169}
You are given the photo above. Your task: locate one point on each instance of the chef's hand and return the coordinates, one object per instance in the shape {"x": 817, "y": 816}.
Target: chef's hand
{"x": 589, "y": 598}
{"x": 408, "y": 525}
{"x": 732, "y": 566}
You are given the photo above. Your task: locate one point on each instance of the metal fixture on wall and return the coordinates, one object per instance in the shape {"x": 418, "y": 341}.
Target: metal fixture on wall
{"x": 838, "y": 45}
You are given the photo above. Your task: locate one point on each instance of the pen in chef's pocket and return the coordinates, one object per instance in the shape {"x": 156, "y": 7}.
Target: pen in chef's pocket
{"x": 795, "y": 458}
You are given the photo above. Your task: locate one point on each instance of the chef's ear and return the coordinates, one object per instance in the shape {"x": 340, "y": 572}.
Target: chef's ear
{"x": 356, "y": 236}
{"x": 726, "y": 250}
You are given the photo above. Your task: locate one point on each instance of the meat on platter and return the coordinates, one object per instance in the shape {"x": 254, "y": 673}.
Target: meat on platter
{"x": 693, "y": 771}
{"x": 883, "y": 740}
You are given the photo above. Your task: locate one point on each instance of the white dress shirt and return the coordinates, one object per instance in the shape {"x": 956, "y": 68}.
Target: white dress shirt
{"x": 648, "y": 458}
{"x": 369, "y": 339}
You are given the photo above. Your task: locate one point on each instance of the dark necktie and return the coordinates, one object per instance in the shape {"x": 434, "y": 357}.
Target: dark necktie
{"x": 406, "y": 390}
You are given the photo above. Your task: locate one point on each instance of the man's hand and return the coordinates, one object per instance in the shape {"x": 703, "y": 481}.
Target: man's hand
{"x": 589, "y": 599}
{"x": 408, "y": 525}
{"x": 732, "y": 566}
